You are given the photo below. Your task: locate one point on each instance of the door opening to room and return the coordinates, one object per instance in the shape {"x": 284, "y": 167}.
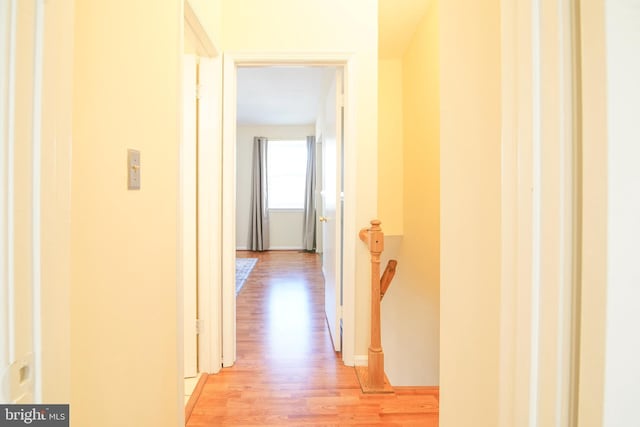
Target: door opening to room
{"x": 289, "y": 175}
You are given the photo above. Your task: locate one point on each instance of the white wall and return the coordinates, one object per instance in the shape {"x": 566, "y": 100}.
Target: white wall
{"x": 622, "y": 370}
{"x": 413, "y": 299}
{"x": 285, "y": 226}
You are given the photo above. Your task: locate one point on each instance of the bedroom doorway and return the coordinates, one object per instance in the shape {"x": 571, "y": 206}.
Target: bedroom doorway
{"x": 343, "y": 300}
{"x": 296, "y": 114}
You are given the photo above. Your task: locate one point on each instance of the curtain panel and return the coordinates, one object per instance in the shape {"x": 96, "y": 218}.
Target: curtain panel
{"x": 259, "y": 214}
{"x": 309, "y": 221}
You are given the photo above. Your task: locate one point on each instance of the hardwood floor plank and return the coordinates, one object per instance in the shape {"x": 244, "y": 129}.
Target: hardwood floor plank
{"x": 287, "y": 372}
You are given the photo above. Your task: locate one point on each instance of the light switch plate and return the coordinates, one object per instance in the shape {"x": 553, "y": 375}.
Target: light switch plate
{"x": 133, "y": 169}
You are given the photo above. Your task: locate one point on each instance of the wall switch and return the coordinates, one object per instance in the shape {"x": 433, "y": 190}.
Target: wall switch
{"x": 133, "y": 169}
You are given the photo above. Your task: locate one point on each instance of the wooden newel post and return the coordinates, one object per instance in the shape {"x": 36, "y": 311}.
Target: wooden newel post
{"x": 372, "y": 378}
{"x": 376, "y": 356}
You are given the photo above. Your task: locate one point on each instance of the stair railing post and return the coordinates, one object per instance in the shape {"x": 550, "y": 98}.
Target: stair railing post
{"x": 376, "y": 355}
{"x": 372, "y": 378}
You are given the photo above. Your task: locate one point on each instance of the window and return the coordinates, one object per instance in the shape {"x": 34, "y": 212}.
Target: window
{"x": 286, "y": 174}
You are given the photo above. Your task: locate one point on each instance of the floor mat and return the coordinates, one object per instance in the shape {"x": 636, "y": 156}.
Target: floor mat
{"x": 243, "y": 269}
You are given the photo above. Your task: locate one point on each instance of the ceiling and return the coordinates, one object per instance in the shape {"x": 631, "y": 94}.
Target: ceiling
{"x": 397, "y": 23}
{"x": 281, "y": 95}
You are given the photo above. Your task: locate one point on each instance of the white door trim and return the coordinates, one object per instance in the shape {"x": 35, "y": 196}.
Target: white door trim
{"x": 36, "y": 194}
{"x": 540, "y": 240}
{"x": 209, "y": 214}
{"x": 188, "y": 216}
{"x": 6, "y": 190}
{"x": 20, "y": 301}
{"x": 193, "y": 27}
{"x": 209, "y": 187}
{"x": 231, "y": 62}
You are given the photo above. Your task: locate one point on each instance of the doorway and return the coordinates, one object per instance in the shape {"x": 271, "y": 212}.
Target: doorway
{"x": 294, "y": 114}
{"x": 229, "y": 182}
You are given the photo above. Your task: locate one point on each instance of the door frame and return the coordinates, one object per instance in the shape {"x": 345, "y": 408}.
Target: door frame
{"x": 26, "y": 294}
{"x": 187, "y": 213}
{"x": 231, "y": 61}
{"x": 202, "y": 152}
{"x": 209, "y": 153}
{"x": 6, "y": 190}
{"x": 541, "y": 214}
{"x": 208, "y": 209}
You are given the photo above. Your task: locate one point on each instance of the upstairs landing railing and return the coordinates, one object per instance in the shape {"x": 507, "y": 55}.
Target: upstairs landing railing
{"x": 372, "y": 377}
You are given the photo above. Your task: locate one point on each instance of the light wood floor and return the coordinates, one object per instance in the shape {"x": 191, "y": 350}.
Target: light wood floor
{"x": 287, "y": 372}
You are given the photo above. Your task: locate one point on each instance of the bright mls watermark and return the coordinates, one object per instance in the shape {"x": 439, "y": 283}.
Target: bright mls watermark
{"x": 34, "y": 415}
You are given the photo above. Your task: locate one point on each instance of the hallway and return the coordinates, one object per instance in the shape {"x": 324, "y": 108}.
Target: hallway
{"x": 286, "y": 371}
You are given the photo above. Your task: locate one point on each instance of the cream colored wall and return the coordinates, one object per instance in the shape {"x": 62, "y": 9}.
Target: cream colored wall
{"x": 124, "y": 338}
{"x": 594, "y": 211}
{"x": 470, "y": 155}
{"x": 285, "y": 227}
{"x": 390, "y": 146}
{"x": 209, "y": 13}
{"x": 190, "y": 42}
{"x": 326, "y": 26}
{"x": 412, "y": 355}
{"x": 56, "y": 201}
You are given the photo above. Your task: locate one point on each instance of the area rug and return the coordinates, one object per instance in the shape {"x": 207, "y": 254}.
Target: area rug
{"x": 243, "y": 269}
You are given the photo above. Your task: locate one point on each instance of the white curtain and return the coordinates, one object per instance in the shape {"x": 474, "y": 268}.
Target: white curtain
{"x": 309, "y": 222}
{"x": 259, "y": 215}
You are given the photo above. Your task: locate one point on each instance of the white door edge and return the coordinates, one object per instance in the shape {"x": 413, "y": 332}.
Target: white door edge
{"x": 209, "y": 214}
{"x": 5, "y": 192}
{"x": 187, "y": 216}
{"x": 36, "y": 192}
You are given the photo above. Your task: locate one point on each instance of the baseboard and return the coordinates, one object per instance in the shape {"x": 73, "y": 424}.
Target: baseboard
{"x": 195, "y": 394}
{"x": 360, "y": 360}
{"x": 435, "y": 389}
{"x": 285, "y": 248}
{"x": 273, "y": 248}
